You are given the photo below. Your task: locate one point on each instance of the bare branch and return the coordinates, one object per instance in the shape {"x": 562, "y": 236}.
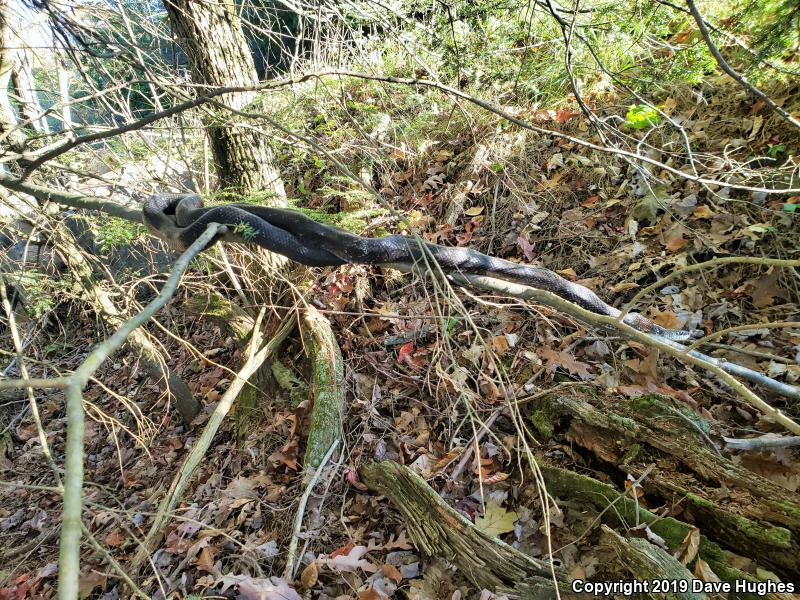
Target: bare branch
{"x": 71, "y": 529}
{"x": 761, "y": 443}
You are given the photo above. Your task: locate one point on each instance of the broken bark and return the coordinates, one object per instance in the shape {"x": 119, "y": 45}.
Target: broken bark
{"x": 619, "y": 509}
{"x": 438, "y": 530}
{"x": 747, "y": 514}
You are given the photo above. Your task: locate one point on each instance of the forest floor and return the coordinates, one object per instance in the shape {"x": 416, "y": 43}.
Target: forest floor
{"x": 419, "y": 381}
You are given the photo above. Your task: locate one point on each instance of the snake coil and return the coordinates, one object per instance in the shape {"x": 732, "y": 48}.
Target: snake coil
{"x": 180, "y": 218}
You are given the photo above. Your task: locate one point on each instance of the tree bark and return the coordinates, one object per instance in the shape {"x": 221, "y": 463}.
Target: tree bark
{"x": 25, "y": 85}
{"x": 210, "y": 33}
{"x": 14, "y": 140}
{"x": 745, "y": 512}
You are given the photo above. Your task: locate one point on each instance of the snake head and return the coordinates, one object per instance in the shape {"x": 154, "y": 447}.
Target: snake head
{"x": 676, "y": 335}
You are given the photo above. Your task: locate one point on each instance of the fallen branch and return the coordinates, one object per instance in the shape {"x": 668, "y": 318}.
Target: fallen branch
{"x": 758, "y": 518}
{"x": 648, "y": 562}
{"x": 438, "y": 530}
{"x": 191, "y": 462}
{"x": 327, "y": 389}
{"x": 563, "y": 483}
{"x": 761, "y": 443}
{"x": 702, "y": 266}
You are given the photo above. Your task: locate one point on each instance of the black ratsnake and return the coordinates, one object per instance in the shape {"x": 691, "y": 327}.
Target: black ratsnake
{"x": 180, "y": 218}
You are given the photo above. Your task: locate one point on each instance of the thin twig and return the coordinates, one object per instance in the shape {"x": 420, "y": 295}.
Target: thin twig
{"x": 761, "y": 443}
{"x": 714, "y": 262}
{"x": 752, "y": 327}
{"x": 289, "y": 571}
{"x": 721, "y": 369}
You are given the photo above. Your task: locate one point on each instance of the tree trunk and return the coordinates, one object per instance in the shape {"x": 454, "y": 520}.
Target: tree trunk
{"x": 25, "y": 85}
{"x": 12, "y": 138}
{"x": 210, "y": 33}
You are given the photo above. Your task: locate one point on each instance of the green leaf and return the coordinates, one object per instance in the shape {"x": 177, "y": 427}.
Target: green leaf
{"x": 775, "y": 149}
{"x": 790, "y": 208}
{"x": 641, "y": 116}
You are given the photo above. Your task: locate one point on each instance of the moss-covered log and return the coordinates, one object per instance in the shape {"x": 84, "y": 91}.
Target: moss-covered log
{"x": 620, "y": 509}
{"x": 240, "y": 324}
{"x": 758, "y": 518}
{"x": 327, "y": 388}
{"x": 438, "y": 530}
{"x": 647, "y": 562}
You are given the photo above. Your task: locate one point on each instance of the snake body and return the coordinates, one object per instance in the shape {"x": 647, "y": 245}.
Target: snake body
{"x": 180, "y": 218}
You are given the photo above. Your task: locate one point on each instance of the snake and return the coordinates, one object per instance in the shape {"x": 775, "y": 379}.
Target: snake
{"x": 179, "y": 219}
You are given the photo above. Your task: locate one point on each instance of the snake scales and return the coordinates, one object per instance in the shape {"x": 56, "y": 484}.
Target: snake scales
{"x": 180, "y": 218}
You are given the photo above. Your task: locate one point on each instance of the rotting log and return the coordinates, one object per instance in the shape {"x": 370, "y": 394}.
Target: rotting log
{"x": 327, "y": 388}
{"x": 154, "y": 364}
{"x": 438, "y": 530}
{"x": 620, "y": 509}
{"x": 647, "y": 562}
{"x": 745, "y": 512}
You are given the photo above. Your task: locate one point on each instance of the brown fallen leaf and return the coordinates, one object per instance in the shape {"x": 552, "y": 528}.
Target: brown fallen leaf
{"x": 392, "y": 573}
{"x": 765, "y": 289}
{"x": 702, "y": 212}
{"x": 371, "y": 594}
{"x": 555, "y": 358}
{"x": 704, "y": 572}
{"x": 310, "y": 575}
{"x": 115, "y": 538}
{"x": 687, "y": 551}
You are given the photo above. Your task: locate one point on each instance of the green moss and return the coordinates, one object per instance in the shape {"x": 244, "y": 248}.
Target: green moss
{"x": 245, "y": 411}
{"x": 772, "y": 536}
{"x": 289, "y": 382}
{"x": 648, "y": 403}
{"x": 631, "y": 453}
{"x": 543, "y": 422}
{"x": 697, "y": 500}
{"x": 790, "y": 508}
{"x": 113, "y": 232}
{"x": 355, "y": 221}
{"x": 624, "y": 422}
{"x": 213, "y": 306}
